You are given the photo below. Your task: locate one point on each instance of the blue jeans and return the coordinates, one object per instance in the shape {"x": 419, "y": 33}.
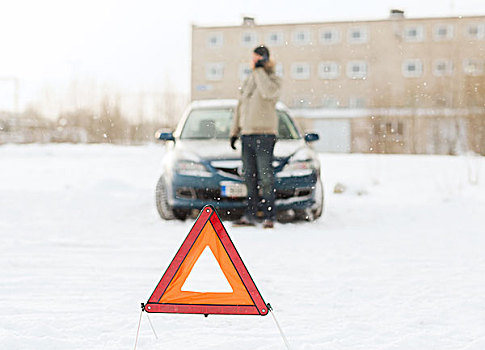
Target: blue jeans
{"x": 257, "y": 158}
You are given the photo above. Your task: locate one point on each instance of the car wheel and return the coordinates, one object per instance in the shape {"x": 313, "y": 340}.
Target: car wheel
{"x": 164, "y": 209}
{"x": 304, "y": 214}
{"x": 180, "y": 214}
{"x": 317, "y": 208}
{"x": 313, "y": 213}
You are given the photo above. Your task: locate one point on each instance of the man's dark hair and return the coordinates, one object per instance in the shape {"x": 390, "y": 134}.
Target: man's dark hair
{"x": 262, "y": 51}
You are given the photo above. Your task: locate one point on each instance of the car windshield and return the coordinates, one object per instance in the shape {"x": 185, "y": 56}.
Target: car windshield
{"x": 216, "y": 124}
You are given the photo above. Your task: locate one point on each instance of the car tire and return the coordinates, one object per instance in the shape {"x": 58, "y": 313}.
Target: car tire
{"x": 304, "y": 215}
{"x": 180, "y": 214}
{"x": 164, "y": 209}
{"x": 316, "y": 211}
{"x": 318, "y": 207}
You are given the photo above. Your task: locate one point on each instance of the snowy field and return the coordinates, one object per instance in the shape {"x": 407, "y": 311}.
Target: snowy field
{"x": 397, "y": 261}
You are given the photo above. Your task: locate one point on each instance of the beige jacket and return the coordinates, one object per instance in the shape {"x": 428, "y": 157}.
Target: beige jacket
{"x": 256, "y": 111}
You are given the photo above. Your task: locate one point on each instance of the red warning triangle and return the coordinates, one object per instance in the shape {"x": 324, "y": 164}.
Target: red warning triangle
{"x": 169, "y": 297}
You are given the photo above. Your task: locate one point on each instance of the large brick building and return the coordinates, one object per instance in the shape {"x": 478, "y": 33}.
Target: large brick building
{"x": 391, "y": 85}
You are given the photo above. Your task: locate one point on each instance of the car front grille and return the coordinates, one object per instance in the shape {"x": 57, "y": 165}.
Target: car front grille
{"x": 231, "y": 171}
{"x": 228, "y": 167}
{"x": 214, "y": 194}
{"x": 290, "y": 193}
{"x": 233, "y": 168}
{"x": 204, "y": 194}
{"x": 285, "y": 194}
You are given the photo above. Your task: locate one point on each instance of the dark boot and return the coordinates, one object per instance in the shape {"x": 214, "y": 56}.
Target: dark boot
{"x": 267, "y": 223}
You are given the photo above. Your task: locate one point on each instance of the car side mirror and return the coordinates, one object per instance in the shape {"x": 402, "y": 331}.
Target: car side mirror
{"x": 164, "y": 135}
{"x": 312, "y": 137}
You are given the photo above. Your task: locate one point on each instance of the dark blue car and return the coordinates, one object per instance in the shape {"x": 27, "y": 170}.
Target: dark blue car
{"x": 200, "y": 168}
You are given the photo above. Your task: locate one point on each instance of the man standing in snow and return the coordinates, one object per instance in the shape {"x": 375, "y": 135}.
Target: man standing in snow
{"x": 255, "y": 120}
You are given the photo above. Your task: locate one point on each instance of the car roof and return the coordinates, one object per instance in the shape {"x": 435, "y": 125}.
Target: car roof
{"x": 225, "y": 103}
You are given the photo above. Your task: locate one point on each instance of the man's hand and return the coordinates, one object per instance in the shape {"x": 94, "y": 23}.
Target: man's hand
{"x": 257, "y": 61}
{"x": 233, "y": 142}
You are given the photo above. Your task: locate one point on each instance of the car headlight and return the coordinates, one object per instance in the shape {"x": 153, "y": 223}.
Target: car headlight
{"x": 300, "y": 164}
{"x": 299, "y": 168}
{"x": 191, "y": 168}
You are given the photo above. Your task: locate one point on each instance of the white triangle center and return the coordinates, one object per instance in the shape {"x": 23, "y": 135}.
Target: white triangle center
{"x": 206, "y": 276}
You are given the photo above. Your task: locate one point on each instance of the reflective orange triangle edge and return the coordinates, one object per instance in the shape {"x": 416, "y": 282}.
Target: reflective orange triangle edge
{"x": 153, "y": 305}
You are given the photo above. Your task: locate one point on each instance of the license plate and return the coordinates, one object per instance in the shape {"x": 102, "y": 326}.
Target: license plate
{"x": 233, "y": 189}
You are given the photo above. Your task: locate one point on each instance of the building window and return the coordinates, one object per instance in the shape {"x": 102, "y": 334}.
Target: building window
{"x": 473, "y": 67}
{"x": 357, "y": 102}
{"x": 414, "y": 33}
{"x": 442, "y": 68}
{"x": 329, "y": 36}
{"x": 249, "y": 39}
{"x": 215, "y": 40}
{"x": 244, "y": 71}
{"x": 393, "y": 127}
{"x": 302, "y": 37}
{"x": 300, "y": 71}
{"x": 328, "y": 70}
{"x": 330, "y": 102}
{"x": 357, "y": 70}
{"x": 214, "y": 71}
{"x": 274, "y": 39}
{"x": 358, "y": 35}
{"x": 476, "y": 31}
{"x": 412, "y": 68}
{"x": 443, "y": 32}
{"x": 278, "y": 69}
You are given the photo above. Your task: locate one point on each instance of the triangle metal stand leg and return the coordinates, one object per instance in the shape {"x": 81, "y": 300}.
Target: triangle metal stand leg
{"x": 138, "y": 330}
{"x": 279, "y": 327}
{"x": 151, "y": 325}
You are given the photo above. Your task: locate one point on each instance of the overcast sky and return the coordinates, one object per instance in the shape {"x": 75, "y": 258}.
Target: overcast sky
{"x": 140, "y": 44}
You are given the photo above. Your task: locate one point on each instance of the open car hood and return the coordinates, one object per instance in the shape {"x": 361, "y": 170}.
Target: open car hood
{"x": 221, "y": 149}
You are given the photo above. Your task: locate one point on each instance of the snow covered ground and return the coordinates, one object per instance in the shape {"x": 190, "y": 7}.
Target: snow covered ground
{"x": 397, "y": 262}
